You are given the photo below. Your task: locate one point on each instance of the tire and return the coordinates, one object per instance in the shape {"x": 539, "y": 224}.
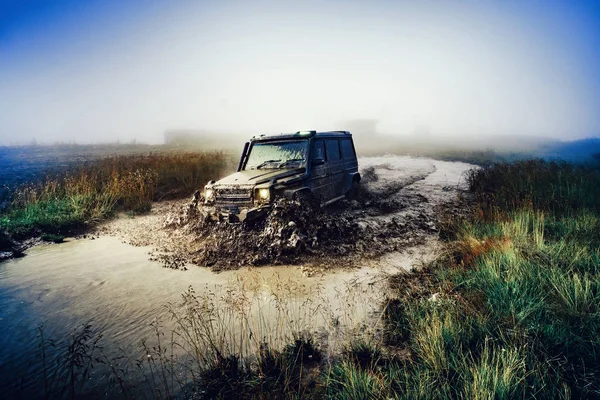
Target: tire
{"x": 306, "y": 198}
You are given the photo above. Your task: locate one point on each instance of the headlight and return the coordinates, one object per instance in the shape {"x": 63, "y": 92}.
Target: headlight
{"x": 209, "y": 195}
{"x": 263, "y": 195}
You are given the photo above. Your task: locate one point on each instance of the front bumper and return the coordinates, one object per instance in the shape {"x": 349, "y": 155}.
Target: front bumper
{"x": 234, "y": 214}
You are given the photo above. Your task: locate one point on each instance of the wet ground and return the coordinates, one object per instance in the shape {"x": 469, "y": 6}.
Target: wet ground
{"x": 114, "y": 287}
{"x": 104, "y": 280}
{"x": 398, "y": 207}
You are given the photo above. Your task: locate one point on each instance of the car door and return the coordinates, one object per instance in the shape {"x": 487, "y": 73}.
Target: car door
{"x": 350, "y": 163}
{"x": 349, "y": 156}
{"x": 336, "y": 166}
{"x": 319, "y": 178}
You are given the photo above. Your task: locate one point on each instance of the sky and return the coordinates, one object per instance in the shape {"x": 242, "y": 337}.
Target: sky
{"x": 105, "y": 70}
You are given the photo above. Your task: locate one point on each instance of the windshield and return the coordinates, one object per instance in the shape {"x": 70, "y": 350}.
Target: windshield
{"x": 288, "y": 154}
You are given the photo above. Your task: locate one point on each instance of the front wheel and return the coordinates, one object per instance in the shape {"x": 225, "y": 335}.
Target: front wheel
{"x": 306, "y": 198}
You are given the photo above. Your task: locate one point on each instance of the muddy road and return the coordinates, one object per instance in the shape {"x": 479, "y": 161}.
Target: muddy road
{"x": 399, "y": 207}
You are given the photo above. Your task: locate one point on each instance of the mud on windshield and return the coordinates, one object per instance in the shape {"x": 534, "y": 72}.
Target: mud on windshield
{"x": 272, "y": 155}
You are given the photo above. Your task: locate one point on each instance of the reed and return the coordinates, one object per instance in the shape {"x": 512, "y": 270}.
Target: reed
{"x": 97, "y": 189}
{"x": 510, "y": 310}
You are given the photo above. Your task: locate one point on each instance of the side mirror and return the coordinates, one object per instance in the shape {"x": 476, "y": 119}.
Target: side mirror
{"x": 318, "y": 161}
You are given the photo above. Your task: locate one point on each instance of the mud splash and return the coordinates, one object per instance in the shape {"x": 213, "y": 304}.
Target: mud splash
{"x": 298, "y": 231}
{"x": 398, "y": 207}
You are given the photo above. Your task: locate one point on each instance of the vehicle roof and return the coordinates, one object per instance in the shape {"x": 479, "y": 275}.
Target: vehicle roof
{"x": 302, "y": 135}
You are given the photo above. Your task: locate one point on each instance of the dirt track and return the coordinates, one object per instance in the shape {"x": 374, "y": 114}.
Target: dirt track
{"x": 397, "y": 212}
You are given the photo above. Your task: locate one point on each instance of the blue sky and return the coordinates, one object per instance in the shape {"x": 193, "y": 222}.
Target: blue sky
{"x": 94, "y": 71}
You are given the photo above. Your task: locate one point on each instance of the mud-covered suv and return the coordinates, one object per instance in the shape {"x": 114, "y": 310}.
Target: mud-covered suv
{"x": 321, "y": 166}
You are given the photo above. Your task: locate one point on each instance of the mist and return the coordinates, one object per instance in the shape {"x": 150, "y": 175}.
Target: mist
{"x": 104, "y": 71}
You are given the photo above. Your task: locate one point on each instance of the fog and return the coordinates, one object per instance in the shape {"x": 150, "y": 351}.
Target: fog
{"x": 103, "y": 71}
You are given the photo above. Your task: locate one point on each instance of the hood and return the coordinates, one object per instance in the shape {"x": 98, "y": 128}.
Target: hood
{"x": 257, "y": 176}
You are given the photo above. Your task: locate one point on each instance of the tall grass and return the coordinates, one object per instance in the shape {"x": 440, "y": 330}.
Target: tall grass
{"x": 512, "y": 310}
{"x": 556, "y": 187}
{"x": 97, "y": 189}
{"x": 247, "y": 341}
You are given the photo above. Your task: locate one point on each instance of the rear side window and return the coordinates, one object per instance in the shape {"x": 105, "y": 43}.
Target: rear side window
{"x": 319, "y": 151}
{"x": 333, "y": 150}
{"x": 347, "y": 149}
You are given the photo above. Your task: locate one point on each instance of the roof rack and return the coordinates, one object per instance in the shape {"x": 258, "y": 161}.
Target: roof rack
{"x": 307, "y": 133}
{"x": 298, "y": 134}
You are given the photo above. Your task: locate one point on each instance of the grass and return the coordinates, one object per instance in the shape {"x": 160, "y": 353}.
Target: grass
{"x": 481, "y": 157}
{"x": 558, "y": 188}
{"x": 511, "y": 310}
{"x": 476, "y": 157}
{"x": 97, "y": 189}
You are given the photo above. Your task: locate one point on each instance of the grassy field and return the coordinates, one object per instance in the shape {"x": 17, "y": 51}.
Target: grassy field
{"x": 511, "y": 310}
{"x": 64, "y": 202}
{"x": 31, "y": 164}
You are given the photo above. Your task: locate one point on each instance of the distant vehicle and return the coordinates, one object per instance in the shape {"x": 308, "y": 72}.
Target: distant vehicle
{"x": 320, "y": 166}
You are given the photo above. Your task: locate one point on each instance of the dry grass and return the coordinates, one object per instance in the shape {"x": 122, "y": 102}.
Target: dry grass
{"x": 97, "y": 189}
{"x": 246, "y": 341}
{"x": 512, "y": 311}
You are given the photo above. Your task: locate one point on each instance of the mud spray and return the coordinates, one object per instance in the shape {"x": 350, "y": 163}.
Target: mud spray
{"x": 397, "y": 207}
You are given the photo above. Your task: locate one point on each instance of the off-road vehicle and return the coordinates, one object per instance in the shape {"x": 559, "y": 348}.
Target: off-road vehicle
{"x": 320, "y": 166}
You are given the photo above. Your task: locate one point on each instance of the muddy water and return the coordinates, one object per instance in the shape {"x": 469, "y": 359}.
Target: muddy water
{"x": 114, "y": 287}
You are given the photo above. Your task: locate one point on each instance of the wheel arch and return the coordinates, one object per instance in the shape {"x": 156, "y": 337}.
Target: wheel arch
{"x": 350, "y": 178}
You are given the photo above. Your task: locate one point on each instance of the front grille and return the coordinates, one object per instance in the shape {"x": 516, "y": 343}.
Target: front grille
{"x": 233, "y": 197}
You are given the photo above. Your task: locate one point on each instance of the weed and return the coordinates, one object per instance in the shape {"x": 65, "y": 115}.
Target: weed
{"x": 346, "y": 381}
{"x": 71, "y": 200}
{"x": 66, "y": 372}
{"x": 510, "y": 311}
{"x": 364, "y": 354}
{"x": 558, "y": 187}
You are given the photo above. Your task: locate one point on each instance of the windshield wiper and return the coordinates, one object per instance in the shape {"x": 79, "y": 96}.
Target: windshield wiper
{"x": 283, "y": 164}
{"x": 262, "y": 164}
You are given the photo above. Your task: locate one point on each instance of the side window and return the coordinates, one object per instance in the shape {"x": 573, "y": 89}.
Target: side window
{"x": 347, "y": 149}
{"x": 319, "y": 151}
{"x": 333, "y": 150}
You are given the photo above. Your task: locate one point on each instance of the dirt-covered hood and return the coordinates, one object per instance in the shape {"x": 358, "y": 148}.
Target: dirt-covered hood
{"x": 257, "y": 176}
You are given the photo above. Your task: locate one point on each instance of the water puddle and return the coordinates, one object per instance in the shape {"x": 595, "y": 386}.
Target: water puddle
{"x": 113, "y": 287}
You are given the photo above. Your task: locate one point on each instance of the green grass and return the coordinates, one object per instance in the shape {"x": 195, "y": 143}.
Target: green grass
{"x": 97, "y": 189}
{"x": 555, "y": 187}
{"x": 516, "y": 310}
{"x": 511, "y": 310}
